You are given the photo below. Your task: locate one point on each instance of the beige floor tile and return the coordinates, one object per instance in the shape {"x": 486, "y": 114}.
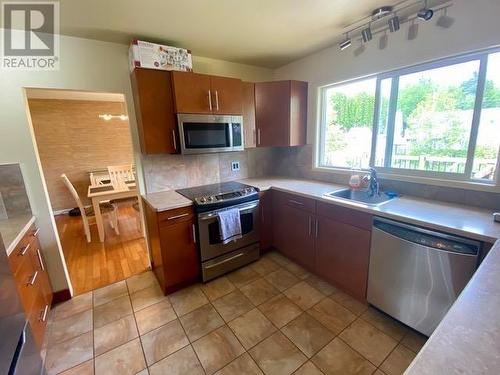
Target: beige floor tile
{"x": 243, "y": 276}
{"x": 320, "y": 284}
{"x": 308, "y": 368}
{"x": 259, "y": 291}
{"x": 86, "y": 368}
{"x": 141, "y": 281}
{"x": 414, "y": 340}
{"x": 75, "y": 305}
{"x": 379, "y": 372}
{"x": 297, "y": 270}
{"x": 217, "y": 288}
{"x": 243, "y": 365}
{"x": 110, "y": 292}
{"x": 163, "y": 341}
{"x": 146, "y": 297}
{"x": 201, "y": 321}
{"x": 182, "y": 362}
{"x": 337, "y": 358}
{"x": 350, "y": 303}
{"x": 72, "y": 326}
{"x": 264, "y": 266}
{"x": 143, "y": 372}
{"x": 111, "y": 311}
{"x": 154, "y": 316}
{"x": 217, "y": 349}
{"x": 303, "y": 295}
{"x": 114, "y": 334}
{"x": 398, "y": 361}
{"x": 187, "y": 300}
{"x": 278, "y": 258}
{"x": 282, "y": 279}
{"x": 69, "y": 353}
{"x": 307, "y": 334}
{"x": 332, "y": 315}
{"x": 127, "y": 359}
{"x": 232, "y": 305}
{"x": 276, "y": 355}
{"x": 385, "y": 323}
{"x": 280, "y": 310}
{"x": 251, "y": 328}
{"x": 367, "y": 340}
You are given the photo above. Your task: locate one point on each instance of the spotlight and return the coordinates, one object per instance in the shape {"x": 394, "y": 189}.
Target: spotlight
{"x": 425, "y": 14}
{"x": 366, "y": 34}
{"x": 413, "y": 31}
{"x": 358, "y": 51}
{"x": 394, "y": 24}
{"x": 383, "y": 41}
{"x": 346, "y": 43}
{"x": 445, "y": 21}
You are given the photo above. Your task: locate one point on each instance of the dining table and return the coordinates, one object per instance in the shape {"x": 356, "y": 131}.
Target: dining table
{"x": 106, "y": 192}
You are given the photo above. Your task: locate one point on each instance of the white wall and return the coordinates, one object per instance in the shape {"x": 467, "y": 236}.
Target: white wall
{"x": 476, "y": 26}
{"x": 84, "y": 65}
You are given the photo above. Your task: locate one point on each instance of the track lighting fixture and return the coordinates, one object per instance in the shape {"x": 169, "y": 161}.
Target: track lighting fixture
{"x": 394, "y": 24}
{"x": 383, "y": 41}
{"x": 346, "y": 43}
{"x": 425, "y": 14}
{"x": 444, "y": 20}
{"x": 366, "y": 34}
{"x": 413, "y": 31}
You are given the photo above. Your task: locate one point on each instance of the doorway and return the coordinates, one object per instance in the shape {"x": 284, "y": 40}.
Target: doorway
{"x": 86, "y": 155}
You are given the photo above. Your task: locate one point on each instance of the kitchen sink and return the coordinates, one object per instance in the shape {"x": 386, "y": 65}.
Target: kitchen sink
{"x": 361, "y": 196}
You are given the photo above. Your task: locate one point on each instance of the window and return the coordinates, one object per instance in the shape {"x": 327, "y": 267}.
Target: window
{"x": 438, "y": 120}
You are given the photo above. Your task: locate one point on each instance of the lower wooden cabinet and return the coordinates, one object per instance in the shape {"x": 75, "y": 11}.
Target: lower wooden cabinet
{"x": 172, "y": 240}
{"x": 266, "y": 220}
{"x": 33, "y": 284}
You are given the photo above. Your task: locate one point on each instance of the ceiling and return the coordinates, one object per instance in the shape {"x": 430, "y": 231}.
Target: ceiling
{"x": 267, "y": 33}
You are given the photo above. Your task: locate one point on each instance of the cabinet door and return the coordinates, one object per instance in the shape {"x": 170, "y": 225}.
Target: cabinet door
{"x": 192, "y": 92}
{"x": 249, "y": 114}
{"x": 226, "y": 95}
{"x": 154, "y": 108}
{"x": 343, "y": 254}
{"x": 179, "y": 252}
{"x": 266, "y": 220}
{"x": 272, "y": 113}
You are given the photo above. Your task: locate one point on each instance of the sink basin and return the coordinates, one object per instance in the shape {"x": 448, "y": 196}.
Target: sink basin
{"x": 361, "y": 196}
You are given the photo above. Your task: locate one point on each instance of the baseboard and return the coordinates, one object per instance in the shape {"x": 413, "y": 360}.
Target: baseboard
{"x": 61, "y": 212}
{"x": 61, "y": 296}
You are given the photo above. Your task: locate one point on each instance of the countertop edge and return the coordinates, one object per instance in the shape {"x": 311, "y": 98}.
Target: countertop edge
{"x": 9, "y": 248}
{"x": 166, "y": 208}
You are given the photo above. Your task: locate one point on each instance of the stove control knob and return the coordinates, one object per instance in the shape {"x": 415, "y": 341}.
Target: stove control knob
{"x": 209, "y": 199}
{"x": 203, "y": 200}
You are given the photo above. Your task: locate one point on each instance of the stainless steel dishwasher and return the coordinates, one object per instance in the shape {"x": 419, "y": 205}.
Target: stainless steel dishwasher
{"x": 416, "y": 274}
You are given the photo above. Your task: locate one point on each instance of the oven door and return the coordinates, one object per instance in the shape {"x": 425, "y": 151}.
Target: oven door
{"x": 207, "y": 133}
{"x": 208, "y": 226}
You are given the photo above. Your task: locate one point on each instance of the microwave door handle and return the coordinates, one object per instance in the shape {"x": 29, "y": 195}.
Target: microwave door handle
{"x": 210, "y": 99}
{"x": 230, "y": 129}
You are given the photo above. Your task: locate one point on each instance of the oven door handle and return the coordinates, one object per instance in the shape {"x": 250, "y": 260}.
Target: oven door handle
{"x": 214, "y": 214}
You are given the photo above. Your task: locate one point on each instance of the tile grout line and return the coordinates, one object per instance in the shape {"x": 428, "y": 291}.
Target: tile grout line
{"x": 137, "y": 328}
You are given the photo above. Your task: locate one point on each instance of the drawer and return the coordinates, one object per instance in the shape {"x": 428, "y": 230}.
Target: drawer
{"x": 345, "y": 215}
{"x": 176, "y": 215}
{"x": 23, "y": 249}
{"x": 37, "y": 319}
{"x": 297, "y": 201}
{"x": 28, "y": 283}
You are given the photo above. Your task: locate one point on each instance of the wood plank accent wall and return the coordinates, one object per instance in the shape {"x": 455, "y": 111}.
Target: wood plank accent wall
{"x": 72, "y": 139}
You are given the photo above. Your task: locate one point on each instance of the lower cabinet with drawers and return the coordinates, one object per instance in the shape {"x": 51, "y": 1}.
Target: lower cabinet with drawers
{"x": 28, "y": 266}
{"x": 172, "y": 242}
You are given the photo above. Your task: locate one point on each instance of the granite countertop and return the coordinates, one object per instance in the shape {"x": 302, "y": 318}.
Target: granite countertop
{"x": 166, "y": 200}
{"x": 13, "y": 229}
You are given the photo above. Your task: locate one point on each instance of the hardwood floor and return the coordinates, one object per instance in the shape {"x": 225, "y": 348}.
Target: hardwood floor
{"x": 94, "y": 265}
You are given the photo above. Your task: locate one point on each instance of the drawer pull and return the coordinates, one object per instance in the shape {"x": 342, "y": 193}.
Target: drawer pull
{"x": 194, "y": 233}
{"x": 35, "y": 233}
{"x": 295, "y": 202}
{"x": 177, "y": 216}
{"x": 32, "y": 279}
{"x": 224, "y": 261}
{"x": 40, "y": 260}
{"x": 24, "y": 250}
{"x": 43, "y": 313}
{"x": 317, "y": 227}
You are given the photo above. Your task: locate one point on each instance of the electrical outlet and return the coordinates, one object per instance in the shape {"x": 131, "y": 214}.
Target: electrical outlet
{"x": 235, "y": 166}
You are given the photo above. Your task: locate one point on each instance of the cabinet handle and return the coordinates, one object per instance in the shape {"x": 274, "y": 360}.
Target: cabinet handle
{"x": 258, "y": 136}
{"x": 295, "y": 202}
{"x": 194, "y": 233}
{"x": 174, "y": 140}
{"x": 32, "y": 279}
{"x": 210, "y": 100}
{"x": 317, "y": 227}
{"x": 24, "y": 250}
{"x": 43, "y": 315}
{"x": 216, "y": 100}
{"x": 254, "y": 137}
{"x": 310, "y": 225}
{"x": 177, "y": 216}
{"x": 35, "y": 233}
{"x": 40, "y": 260}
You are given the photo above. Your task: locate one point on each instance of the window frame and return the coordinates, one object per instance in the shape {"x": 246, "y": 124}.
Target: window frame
{"x": 464, "y": 179}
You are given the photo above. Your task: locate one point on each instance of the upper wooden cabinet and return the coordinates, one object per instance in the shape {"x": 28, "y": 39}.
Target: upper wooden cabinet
{"x": 154, "y": 109}
{"x": 281, "y": 113}
{"x": 204, "y": 94}
{"x": 249, "y": 114}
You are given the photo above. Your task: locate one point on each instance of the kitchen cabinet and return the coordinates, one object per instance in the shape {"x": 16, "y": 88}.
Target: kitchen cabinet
{"x": 205, "y": 94}
{"x": 281, "y": 113}
{"x": 266, "y": 220}
{"x": 32, "y": 281}
{"x": 172, "y": 240}
{"x": 154, "y": 109}
{"x": 248, "y": 101}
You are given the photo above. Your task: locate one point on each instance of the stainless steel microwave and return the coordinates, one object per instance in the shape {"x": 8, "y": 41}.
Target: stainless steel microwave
{"x": 200, "y": 134}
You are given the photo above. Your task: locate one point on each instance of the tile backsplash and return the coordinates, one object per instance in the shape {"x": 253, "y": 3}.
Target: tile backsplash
{"x": 13, "y": 196}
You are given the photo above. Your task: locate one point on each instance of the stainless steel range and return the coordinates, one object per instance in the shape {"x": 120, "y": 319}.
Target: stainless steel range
{"x": 218, "y": 258}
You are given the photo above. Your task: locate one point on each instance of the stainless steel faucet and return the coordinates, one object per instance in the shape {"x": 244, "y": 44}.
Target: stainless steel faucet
{"x": 373, "y": 183}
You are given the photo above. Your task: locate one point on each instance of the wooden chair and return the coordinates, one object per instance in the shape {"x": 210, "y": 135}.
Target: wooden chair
{"x": 118, "y": 174}
{"x": 87, "y": 212}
